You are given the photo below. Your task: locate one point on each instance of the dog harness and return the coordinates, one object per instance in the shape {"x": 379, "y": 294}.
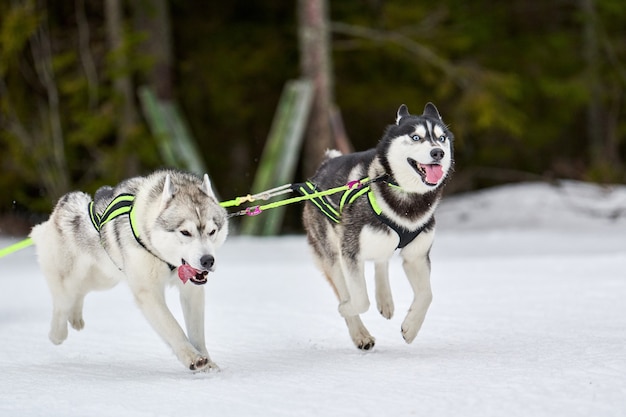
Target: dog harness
{"x": 327, "y": 208}
{"x": 119, "y": 206}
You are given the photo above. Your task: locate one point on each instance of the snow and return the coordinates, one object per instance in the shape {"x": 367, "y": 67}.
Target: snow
{"x": 528, "y": 319}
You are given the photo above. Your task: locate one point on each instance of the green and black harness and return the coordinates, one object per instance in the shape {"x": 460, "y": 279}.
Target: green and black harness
{"x": 121, "y": 205}
{"x": 355, "y": 190}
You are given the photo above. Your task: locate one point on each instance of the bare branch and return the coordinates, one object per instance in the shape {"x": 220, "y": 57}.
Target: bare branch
{"x": 415, "y": 48}
{"x": 84, "y": 52}
{"x": 42, "y": 58}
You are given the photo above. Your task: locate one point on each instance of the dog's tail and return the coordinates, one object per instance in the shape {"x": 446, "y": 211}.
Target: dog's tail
{"x": 331, "y": 153}
{"x": 36, "y": 232}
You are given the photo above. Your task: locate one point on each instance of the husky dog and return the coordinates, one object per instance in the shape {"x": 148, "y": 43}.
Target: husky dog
{"x": 143, "y": 231}
{"x": 396, "y": 189}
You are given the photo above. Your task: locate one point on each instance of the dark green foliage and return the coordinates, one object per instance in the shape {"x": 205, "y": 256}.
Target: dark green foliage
{"x": 510, "y": 77}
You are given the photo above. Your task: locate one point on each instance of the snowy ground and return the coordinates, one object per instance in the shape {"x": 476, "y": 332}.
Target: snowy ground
{"x": 528, "y": 319}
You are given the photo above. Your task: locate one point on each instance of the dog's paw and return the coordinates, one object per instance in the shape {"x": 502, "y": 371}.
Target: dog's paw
{"x": 361, "y": 338}
{"x": 202, "y": 363}
{"x": 386, "y": 309}
{"x": 412, "y": 325}
{"x": 408, "y": 333}
{"x": 365, "y": 343}
{"x": 58, "y": 332}
{"x": 57, "y": 337}
{"x": 77, "y": 323}
{"x": 410, "y": 329}
{"x": 384, "y": 300}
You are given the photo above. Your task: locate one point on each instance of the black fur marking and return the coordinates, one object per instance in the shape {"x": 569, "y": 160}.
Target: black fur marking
{"x": 412, "y": 208}
{"x": 117, "y": 235}
{"x": 105, "y": 193}
{"x": 334, "y": 172}
{"x": 76, "y": 225}
{"x": 219, "y": 222}
{"x": 63, "y": 200}
{"x": 350, "y": 245}
{"x": 318, "y": 230}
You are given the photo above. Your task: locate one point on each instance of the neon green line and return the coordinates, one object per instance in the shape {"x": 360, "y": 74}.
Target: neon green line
{"x": 133, "y": 222}
{"x": 231, "y": 203}
{"x": 359, "y": 194}
{"x": 15, "y": 247}
{"x": 302, "y": 198}
{"x": 114, "y": 214}
{"x": 322, "y": 206}
{"x": 373, "y": 202}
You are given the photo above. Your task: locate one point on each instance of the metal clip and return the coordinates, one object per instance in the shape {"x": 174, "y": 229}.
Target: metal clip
{"x": 253, "y": 211}
{"x": 354, "y": 184}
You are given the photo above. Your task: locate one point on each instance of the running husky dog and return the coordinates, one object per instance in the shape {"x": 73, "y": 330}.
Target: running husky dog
{"x": 142, "y": 231}
{"x": 396, "y": 188}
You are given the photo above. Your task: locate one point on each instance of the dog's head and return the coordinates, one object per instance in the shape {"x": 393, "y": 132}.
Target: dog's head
{"x": 417, "y": 151}
{"x": 190, "y": 226}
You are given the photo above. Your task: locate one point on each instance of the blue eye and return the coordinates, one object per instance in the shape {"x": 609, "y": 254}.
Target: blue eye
{"x": 442, "y": 138}
{"x": 415, "y": 137}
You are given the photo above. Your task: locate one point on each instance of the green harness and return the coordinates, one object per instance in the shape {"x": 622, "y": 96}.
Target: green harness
{"x": 324, "y": 205}
{"x": 119, "y": 206}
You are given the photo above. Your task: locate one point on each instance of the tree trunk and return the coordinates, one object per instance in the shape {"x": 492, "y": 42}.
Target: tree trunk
{"x": 316, "y": 64}
{"x": 50, "y": 113}
{"x": 122, "y": 85}
{"x": 591, "y": 50}
{"x": 152, "y": 18}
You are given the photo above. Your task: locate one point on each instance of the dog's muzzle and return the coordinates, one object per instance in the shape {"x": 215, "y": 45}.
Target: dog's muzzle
{"x": 431, "y": 173}
{"x": 199, "y": 277}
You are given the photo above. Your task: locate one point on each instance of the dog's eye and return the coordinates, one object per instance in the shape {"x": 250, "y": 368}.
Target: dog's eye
{"x": 442, "y": 138}
{"x": 212, "y": 232}
{"x": 415, "y": 138}
{"x": 185, "y": 233}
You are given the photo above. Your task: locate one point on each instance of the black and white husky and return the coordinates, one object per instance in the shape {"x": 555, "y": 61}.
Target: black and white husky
{"x": 396, "y": 189}
{"x": 151, "y": 231}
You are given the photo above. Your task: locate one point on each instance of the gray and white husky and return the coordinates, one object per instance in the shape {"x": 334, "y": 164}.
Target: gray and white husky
{"x": 149, "y": 231}
{"x": 396, "y": 189}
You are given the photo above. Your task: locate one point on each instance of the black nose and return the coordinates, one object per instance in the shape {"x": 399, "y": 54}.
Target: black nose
{"x": 437, "y": 154}
{"x": 207, "y": 261}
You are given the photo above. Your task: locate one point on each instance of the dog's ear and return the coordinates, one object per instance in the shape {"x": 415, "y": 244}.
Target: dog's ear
{"x": 168, "y": 190}
{"x": 431, "y": 111}
{"x": 403, "y": 111}
{"x": 206, "y": 186}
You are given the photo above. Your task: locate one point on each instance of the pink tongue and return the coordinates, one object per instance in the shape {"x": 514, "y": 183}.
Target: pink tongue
{"x": 185, "y": 272}
{"x": 434, "y": 173}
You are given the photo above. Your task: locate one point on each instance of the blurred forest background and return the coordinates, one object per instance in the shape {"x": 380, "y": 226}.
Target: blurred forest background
{"x": 533, "y": 90}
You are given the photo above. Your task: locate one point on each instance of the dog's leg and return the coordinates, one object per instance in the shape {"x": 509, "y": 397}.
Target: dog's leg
{"x": 60, "y": 315}
{"x": 358, "y": 332}
{"x": 416, "y": 265}
{"x": 360, "y": 335}
{"x": 418, "y": 272}
{"x": 384, "y": 300}
{"x": 326, "y": 254}
{"x": 66, "y": 308}
{"x": 65, "y": 298}
{"x": 358, "y": 301}
{"x": 76, "y": 313}
{"x": 150, "y": 297}
{"x": 192, "y": 303}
